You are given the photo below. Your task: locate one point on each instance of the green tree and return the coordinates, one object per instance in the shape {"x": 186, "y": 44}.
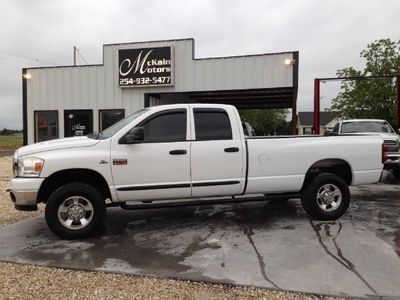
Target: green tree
{"x": 372, "y": 98}
{"x": 266, "y": 121}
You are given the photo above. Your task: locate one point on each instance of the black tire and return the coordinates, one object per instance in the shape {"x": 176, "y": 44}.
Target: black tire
{"x": 81, "y": 198}
{"x": 313, "y": 202}
{"x": 396, "y": 173}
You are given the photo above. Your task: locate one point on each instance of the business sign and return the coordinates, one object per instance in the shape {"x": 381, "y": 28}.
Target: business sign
{"x": 145, "y": 67}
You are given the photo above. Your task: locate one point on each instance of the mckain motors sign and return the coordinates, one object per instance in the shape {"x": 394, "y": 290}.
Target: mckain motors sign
{"x": 145, "y": 67}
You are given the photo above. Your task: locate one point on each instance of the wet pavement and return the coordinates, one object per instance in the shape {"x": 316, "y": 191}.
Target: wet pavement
{"x": 268, "y": 244}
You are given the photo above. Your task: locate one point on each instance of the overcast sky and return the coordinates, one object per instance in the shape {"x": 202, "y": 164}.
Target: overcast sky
{"x": 329, "y": 34}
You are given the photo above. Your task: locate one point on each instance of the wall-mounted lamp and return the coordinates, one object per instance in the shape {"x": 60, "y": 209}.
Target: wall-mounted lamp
{"x": 27, "y": 76}
{"x": 289, "y": 61}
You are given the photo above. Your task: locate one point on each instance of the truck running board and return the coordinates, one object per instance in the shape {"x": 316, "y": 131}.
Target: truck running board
{"x": 183, "y": 203}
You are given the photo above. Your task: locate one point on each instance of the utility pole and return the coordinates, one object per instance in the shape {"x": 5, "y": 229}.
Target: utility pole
{"x": 75, "y": 49}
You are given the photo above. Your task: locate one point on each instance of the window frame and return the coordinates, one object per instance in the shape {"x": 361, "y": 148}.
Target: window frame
{"x": 35, "y": 127}
{"x": 111, "y": 109}
{"x": 160, "y": 113}
{"x": 211, "y": 110}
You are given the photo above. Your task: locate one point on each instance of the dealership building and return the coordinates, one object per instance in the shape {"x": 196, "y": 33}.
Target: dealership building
{"x": 67, "y": 101}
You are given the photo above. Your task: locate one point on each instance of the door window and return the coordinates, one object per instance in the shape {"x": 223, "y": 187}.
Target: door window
{"x": 165, "y": 127}
{"x": 212, "y": 124}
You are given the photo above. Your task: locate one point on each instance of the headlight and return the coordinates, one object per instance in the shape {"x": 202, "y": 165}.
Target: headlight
{"x": 15, "y": 164}
{"x": 30, "y": 166}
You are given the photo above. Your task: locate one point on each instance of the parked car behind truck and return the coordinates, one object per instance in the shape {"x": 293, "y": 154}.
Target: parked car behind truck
{"x": 374, "y": 127}
{"x": 184, "y": 152}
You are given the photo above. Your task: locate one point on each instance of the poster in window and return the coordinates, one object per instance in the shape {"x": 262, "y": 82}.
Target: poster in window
{"x": 78, "y": 122}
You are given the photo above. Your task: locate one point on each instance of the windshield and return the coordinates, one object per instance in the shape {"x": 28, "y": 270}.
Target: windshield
{"x": 355, "y": 127}
{"x": 110, "y": 131}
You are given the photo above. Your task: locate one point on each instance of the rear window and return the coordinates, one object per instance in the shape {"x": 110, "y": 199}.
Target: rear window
{"x": 355, "y": 127}
{"x": 212, "y": 124}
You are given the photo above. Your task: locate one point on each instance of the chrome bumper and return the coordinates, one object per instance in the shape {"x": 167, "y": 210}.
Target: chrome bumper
{"x": 23, "y": 197}
{"x": 24, "y": 191}
{"x": 393, "y": 158}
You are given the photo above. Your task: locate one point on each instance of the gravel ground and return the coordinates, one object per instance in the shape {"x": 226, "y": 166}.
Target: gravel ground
{"x": 33, "y": 282}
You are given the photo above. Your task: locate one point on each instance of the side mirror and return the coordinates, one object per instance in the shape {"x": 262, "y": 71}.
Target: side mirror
{"x": 135, "y": 135}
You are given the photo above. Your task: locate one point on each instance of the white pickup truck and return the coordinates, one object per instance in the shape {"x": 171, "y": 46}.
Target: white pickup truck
{"x": 186, "y": 153}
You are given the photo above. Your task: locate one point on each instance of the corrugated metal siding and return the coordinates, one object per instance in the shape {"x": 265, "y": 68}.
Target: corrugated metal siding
{"x": 96, "y": 87}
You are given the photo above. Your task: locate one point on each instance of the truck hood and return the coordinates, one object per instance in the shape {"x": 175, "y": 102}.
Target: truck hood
{"x": 74, "y": 142}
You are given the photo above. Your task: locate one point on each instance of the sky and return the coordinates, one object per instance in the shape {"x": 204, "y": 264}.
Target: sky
{"x": 329, "y": 35}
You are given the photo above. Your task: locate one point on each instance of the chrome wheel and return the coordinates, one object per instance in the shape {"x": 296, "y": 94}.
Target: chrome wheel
{"x": 75, "y": 212}
{"x": 329, "y": 197}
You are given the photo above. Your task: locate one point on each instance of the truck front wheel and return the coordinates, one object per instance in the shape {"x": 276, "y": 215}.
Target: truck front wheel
{"x": 75, "y": 210}
{"x": 327, "y": 197}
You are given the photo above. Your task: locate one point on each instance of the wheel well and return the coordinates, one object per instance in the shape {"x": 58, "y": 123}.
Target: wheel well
{"x": 63, "y": 177}
{"x": 334, "y": 166}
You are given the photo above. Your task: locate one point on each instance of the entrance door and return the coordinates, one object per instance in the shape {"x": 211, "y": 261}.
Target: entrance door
{"x": 159, "y": 166}
{"x": 78, "y": 122}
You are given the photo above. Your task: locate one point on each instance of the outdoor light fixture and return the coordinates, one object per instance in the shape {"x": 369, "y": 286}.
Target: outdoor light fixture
{"x": 289, "y": 61}
{"x": 27, "y": 76}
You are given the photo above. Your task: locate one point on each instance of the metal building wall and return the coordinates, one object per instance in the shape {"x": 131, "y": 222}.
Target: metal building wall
{"x": 96, "y": 86}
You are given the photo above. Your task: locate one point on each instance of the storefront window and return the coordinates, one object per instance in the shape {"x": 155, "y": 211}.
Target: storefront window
{"x": 78, "y": 122}
{"x": 108, "y": 117}
{"x": 46, "y": 125}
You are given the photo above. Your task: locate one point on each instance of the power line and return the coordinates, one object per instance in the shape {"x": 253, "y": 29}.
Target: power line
{"x": 18, "y": 60}
{"x": 79, "y": 53}
{"x": 24, "y": 57}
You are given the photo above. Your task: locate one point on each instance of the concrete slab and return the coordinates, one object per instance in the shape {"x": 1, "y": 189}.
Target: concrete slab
{"x": 265, "y": 244}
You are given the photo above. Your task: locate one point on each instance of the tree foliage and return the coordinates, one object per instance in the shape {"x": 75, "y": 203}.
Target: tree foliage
{"x": 266, "y": 121}
{"x": 6, "y": 131}
{"x": 372, "y": 98}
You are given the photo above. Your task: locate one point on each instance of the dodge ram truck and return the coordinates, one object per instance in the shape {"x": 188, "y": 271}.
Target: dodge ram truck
{"x": 186, "y": 153}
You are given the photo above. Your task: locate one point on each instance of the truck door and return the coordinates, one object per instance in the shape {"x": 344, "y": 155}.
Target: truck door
{"x": 158, "y": 167}
{"x": 218, "y": 154}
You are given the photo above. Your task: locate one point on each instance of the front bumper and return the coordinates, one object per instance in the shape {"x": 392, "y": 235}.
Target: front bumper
{"x": 24, "y": 191}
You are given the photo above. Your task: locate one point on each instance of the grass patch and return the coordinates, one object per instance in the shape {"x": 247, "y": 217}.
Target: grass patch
{"x": 10, "y": 142}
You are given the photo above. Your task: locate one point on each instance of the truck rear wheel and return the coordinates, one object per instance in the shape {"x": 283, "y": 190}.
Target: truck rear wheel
{"x": 327, "y": 197}
{"x": 75, "y": 210}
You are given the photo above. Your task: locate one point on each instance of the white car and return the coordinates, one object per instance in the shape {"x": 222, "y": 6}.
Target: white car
{"x": 186, "y": 153}
{"x": 374, "y": 127}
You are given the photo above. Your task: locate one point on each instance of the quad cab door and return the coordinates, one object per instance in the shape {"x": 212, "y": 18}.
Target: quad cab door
{"x": 218, "y": 152}
{"x": 159, "y": 166}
